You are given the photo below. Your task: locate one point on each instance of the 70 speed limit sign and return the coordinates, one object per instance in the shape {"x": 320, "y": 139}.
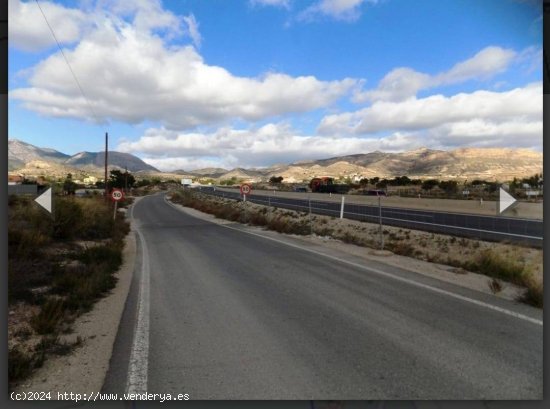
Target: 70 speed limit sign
{"x": 117, "y": 195}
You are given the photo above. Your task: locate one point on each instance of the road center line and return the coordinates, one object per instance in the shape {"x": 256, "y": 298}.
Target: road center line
{"x": 389, "y": 275}
{"x": 139, "y": 355}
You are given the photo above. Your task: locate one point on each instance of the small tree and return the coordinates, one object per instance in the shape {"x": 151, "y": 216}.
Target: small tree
{"x": 449, "y": 186}
{"x": 275, "y": 179}
{"x": 69, "y": 187}
{"x": 121, "y": 179}
{"x": 430, "y": 184}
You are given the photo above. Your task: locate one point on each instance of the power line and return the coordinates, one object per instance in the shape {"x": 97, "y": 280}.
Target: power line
{"x": 68, "y": 64}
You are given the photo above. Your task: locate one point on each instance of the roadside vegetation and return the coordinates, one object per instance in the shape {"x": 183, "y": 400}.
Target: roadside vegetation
{"x": 57, "y": 269}
{"x": 501, "y": 262}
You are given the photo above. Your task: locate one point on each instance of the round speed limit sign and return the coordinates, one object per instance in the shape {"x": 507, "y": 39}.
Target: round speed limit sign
{"x": 117, "y": 194}
{"x": 245, "y": 189}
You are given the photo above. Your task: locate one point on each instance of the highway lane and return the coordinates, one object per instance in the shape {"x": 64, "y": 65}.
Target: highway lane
{"x": 235, "y": 316}
{"x": 492, "y": 228}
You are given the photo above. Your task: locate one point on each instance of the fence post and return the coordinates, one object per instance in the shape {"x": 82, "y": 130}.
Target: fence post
{"x": 342, "y": 208}
{"x": 380, "y": 221}
{"x": 310, "y": 221}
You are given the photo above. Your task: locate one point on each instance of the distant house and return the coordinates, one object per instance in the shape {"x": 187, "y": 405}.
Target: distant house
{"x": 15, "y": 179}
{"x": 90, "y": 180}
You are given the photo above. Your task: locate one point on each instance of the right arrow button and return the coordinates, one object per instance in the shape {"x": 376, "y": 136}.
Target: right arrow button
{"x": 505, "y": 200}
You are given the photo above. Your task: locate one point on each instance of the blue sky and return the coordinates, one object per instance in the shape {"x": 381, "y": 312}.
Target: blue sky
{"x": 194, "y": 83}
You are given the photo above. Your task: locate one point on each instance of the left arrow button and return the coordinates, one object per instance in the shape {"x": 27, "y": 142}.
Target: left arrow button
{"x": 45, "y": 200}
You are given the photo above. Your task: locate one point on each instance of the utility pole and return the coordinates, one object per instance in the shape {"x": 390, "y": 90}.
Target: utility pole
{"x": 106, "y": 162}
{"x": 126, "y": 179}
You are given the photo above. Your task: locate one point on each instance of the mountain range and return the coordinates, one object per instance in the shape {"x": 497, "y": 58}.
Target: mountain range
{"x": 463, "y": 163}
{"x": 21, "y": 154}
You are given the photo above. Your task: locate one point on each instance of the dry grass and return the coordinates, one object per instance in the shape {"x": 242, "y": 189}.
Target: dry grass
{"x": 51, "y": 274}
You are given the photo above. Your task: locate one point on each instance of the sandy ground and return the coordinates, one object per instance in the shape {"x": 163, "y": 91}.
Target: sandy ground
{"x": 84, "y": 370}
{"x": 442, "y": 272}
{"x": 529, "y": 210}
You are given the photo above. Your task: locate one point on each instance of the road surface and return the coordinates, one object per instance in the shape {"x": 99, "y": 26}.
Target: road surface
{"x": 492, "y": 228}
{"x": 220, "y": 313}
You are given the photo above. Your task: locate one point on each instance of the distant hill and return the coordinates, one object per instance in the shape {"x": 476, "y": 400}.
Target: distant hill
{"x": 21, "y": 153}
{"x": 118, "y": 159}
{"x": 463, "y": 163}
{"x": 208, "y": 172}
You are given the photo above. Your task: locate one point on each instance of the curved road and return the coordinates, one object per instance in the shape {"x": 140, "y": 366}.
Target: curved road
{"x": 219, "y": 313}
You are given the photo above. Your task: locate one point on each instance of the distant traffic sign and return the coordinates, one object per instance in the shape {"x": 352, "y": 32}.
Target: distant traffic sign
{"x": 117, "y": 194}
{"x": 245, "y": 189}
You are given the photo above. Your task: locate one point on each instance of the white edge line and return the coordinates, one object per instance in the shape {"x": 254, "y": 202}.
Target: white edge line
{"x": 389, "y": 275}
{"x": 139, "y": 355}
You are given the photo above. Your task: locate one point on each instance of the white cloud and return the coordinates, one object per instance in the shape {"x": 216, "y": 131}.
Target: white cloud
{"x": 346, "y": 10}
{"x": 276, "y": 3}
{"x": 27, "y": 29}
{"x": 485, "y": 64}
{"x": 193, "y": 29}
{"x": 227, "y": 147}
{"x": 520, "y": 104}
{"x": 278, "y": 143}
{"x": 402, "y": 83}
{"x": 131, "y": 75}
{"x": 397, "y": 85}
{"x": 146, "y": 15}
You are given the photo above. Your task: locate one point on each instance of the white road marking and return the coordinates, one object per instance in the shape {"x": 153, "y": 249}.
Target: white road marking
{"x": 392, "y": 276}
{"x": 139, "y": 356}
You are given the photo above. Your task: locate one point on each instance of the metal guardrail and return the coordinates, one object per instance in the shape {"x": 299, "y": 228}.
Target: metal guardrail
{"x": 488, "y": 228}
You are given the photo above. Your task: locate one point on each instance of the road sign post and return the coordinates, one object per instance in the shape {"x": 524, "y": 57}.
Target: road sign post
{"x": 116, "y": 196}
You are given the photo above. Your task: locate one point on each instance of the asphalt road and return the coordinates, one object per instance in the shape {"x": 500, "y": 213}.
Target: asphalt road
{"x": 492, "y": 228}
{"x": 219, "y": 313}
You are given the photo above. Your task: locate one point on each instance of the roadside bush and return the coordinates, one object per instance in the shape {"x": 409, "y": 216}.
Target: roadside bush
{"x": 402, "y": 248}
{"x": 49, "y": 317}
{"x": 21, "y": 364}
{"x": 497, "y": 265}
{"x": 84, "y": 284}
{"x": 97, "y": 219}
{"x": 534, "y": 292}
{"x": 67, "y": 218}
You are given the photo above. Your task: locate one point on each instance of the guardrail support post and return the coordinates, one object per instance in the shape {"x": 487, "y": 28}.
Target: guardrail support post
{"x": 342, "y": 208}
{"x": 310, "y": 221}
{"x": 380, "y": 221}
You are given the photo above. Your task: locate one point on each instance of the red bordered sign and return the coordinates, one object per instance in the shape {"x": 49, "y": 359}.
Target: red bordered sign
{"x": 117, "y": 195}
{"x": 245, "y": 189}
